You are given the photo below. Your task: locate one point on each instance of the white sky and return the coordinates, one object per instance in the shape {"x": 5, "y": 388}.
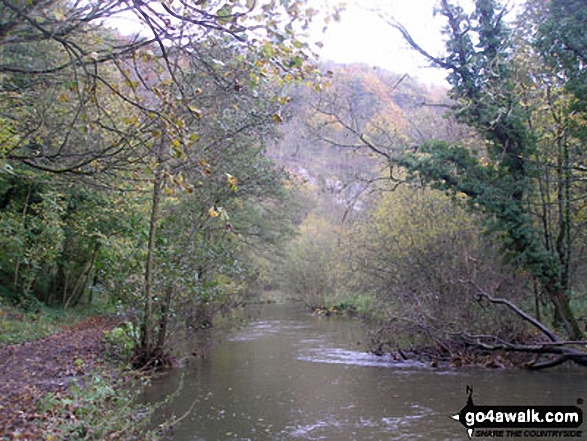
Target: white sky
{"x": 361, "y": 36}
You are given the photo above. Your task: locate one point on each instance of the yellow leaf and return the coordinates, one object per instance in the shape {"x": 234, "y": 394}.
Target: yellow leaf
{"x": 232, "y": 181}
{"x": 196, "y": 111}
{"x": 213, "y": 213}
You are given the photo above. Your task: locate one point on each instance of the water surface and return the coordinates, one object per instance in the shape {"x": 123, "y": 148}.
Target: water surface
{"x": 292, "y": 376}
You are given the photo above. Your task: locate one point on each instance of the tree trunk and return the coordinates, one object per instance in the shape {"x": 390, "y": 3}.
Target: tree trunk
{"x": 83, "y": 281}
{"x": 562, "y": 306}
{"x": 163, "y": 321}
{"x": 146, "y": 341}
{"x": 536, "y": 300}
{"x": 23, "y": 223}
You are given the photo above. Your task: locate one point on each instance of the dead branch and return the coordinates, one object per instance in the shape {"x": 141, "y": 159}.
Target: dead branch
{"x": 526, "y": 317}
{"x": 553, "y": 347}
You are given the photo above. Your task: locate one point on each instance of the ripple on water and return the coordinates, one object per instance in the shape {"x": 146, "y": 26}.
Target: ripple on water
{"x": 371, "y": 428}
{"x": 264, "y": 328}
{"x": 304, "y": 431}
{"x": 356, "y": 358}
{"x": 258, "y": 330}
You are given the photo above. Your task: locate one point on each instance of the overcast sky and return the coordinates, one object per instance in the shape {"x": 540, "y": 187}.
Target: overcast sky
{"x": 361, "y": 36}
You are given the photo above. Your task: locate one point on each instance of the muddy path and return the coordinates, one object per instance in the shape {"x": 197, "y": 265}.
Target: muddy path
{"x": 30, "y": 370}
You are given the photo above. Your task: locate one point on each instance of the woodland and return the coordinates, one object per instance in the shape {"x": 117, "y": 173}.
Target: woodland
{"x": 186, "y": 169}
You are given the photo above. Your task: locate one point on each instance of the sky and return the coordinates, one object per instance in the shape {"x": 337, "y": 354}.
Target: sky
{"x": 361, "y": 36}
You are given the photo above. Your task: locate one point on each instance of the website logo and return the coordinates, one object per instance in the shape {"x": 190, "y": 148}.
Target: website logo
{"x": 520, "y": 421}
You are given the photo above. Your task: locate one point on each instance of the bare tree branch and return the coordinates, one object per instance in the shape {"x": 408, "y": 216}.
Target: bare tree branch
{"x": 526, "y": 317}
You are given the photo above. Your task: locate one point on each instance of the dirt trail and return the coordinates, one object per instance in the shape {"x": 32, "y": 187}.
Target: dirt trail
{"x": 30, "y": 370}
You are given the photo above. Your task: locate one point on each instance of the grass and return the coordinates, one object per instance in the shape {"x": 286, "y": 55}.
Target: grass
{"x": 361, "y": 304}
{"x": 18, "y": 326}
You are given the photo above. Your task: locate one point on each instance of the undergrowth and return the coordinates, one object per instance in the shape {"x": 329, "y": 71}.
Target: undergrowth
{"x": 99, "y": 407}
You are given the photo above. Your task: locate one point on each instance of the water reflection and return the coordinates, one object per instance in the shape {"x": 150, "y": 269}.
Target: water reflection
{"x": 292, "y": 376}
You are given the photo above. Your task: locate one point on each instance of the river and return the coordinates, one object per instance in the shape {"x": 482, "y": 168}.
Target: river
{"x": 289, "y": 375}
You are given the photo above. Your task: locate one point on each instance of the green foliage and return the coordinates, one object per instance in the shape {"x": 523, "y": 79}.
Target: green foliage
{"x": 452, "y": 168}
{"x": 343, "y": 302}
{"x": 121, "y": 341}
{"x": 411, "y": 257}
{"x": 57, "y": 239}
{"x": 76, "y": 204}
{"x": 98, "y": 408}
{"x": 562, "y": 41}
{"x": 309, "y": 267}
{"x": 500, "y": 180}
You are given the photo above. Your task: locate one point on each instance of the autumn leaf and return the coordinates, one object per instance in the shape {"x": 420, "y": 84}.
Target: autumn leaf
{"x": 212, "y": 212}
{"x": 196, "y": 111}
{"x": 205, "y": 167}
{"x": 232, "y": 181}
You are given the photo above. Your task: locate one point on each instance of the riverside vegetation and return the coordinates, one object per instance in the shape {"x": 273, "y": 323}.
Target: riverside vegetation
{"x": 174, "y": 174}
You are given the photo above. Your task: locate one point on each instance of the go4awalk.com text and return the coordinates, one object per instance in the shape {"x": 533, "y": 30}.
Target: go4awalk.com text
{"x": 541, "y": 422}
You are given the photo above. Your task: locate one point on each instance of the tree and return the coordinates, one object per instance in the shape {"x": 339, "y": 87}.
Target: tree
{"x": 158, "y": 116}
{"x": 410, "y": 255}
{"x": 63, "y": 56}
{"x": 201, "y": 165}
{"x": 499, "y": 179}
{"x": 519, "y": 164}
{"x": 56, "y": 238}
{"x": 562, "y": 42}
{"x": 309, "y": 269}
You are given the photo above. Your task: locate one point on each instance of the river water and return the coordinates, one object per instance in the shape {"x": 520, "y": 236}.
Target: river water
{"x": 288, "y": 375}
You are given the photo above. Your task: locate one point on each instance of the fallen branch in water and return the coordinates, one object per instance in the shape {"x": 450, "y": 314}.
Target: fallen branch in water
{"x": 555, "y": 346}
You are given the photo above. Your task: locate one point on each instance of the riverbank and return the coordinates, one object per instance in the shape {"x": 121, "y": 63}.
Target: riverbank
{"x": 62, "y": 386}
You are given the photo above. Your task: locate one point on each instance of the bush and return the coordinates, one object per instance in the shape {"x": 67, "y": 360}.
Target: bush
{"x": 121, "y": 341}
{"x": 309, "y": 270}
{"x": 412, "y": 257}
{"x": 97, "y": 408}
